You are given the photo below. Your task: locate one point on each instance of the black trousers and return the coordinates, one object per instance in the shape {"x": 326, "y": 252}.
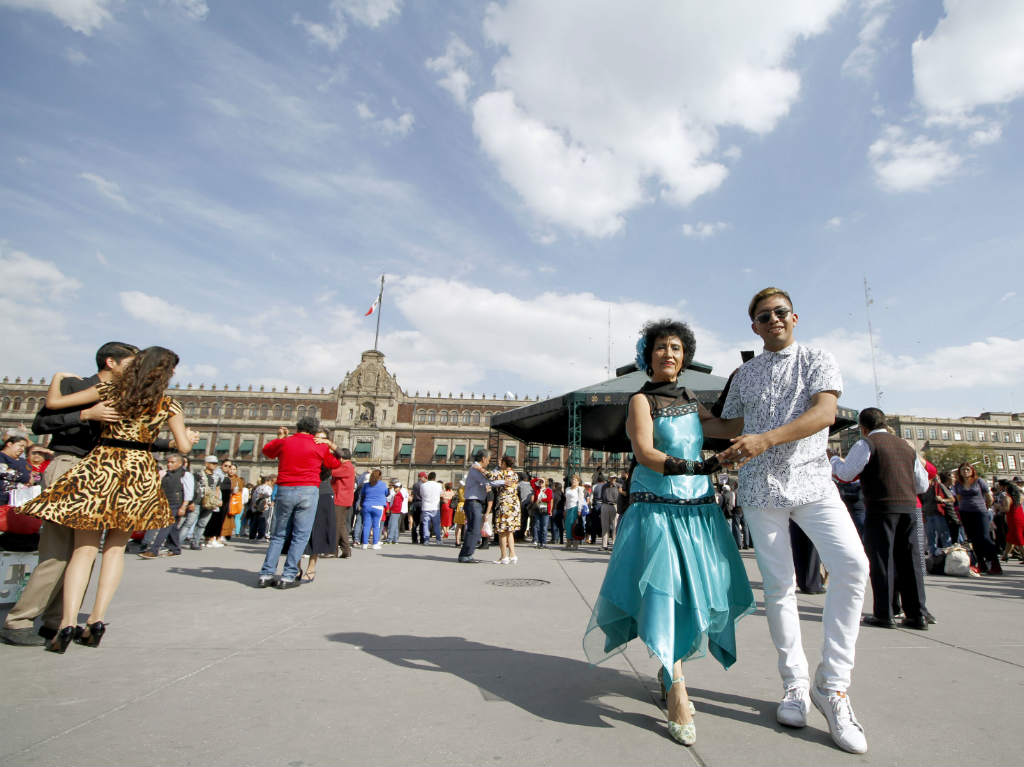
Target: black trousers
{"x": 169, "y": 534}
{"x": 416, "y": 512}
{"x": 976, "y": 528}
{"x": 806, "y": 562}
{"x": 890, "y": 540}
{"x": 257, "y": 526}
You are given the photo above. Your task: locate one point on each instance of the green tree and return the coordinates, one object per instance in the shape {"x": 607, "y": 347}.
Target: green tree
{"x": 948, "y": 458}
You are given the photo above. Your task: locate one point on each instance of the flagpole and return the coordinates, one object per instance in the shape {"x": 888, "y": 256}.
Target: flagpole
{"x": 380, "y": 301}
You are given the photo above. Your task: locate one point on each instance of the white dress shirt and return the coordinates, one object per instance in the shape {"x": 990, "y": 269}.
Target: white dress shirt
{"x": 858, "y": 457}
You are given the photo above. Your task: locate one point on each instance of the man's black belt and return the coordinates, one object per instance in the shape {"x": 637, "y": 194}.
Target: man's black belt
{"x": 127, "y": 444}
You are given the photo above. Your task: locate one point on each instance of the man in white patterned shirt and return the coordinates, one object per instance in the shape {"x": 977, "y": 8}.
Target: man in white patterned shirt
{"x": 783, "y": 402}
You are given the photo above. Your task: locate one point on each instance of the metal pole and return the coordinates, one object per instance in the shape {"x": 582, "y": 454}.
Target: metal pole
{"x": 871, "y": 339}
{"x": 380, "y": 305}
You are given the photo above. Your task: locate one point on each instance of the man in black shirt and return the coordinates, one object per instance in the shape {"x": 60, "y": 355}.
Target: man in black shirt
{"x": 75, "y": 432}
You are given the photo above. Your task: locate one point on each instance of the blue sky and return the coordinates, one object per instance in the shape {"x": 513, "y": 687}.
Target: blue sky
{"x": 230, "y": 180}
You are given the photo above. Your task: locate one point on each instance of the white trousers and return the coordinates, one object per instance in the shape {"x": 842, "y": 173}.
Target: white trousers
{"x": 829, "y": 526}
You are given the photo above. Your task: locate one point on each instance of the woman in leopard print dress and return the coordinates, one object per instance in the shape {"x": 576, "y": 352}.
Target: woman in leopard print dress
{"x": 116, "y": 487}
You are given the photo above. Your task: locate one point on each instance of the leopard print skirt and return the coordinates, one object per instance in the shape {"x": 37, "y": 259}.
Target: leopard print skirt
{"x": 111, "y": 488}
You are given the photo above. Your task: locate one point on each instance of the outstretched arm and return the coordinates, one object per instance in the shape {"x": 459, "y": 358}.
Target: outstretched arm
{"x": 820, "y": 415}
{"x": 55, "y": 400}
{"x": 183, "y": 438}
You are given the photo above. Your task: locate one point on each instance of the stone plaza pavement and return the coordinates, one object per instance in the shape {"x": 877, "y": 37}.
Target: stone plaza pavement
{"x": 404, "y": 656}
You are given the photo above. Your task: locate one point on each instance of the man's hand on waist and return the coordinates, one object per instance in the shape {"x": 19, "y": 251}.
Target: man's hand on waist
{"x": 101, "y": 411}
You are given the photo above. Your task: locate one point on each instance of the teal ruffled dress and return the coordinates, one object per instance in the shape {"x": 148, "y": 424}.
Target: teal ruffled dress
{"x": 675, "y": 578}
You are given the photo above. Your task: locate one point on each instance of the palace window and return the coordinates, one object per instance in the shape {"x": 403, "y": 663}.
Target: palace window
{"x": 431, "y": 416}
{"x": 999, "y": 462}
{"x": 264, "y": 411}
{"x": 421, "y": 416}
{"x": 204, "y": 410}
{"x": 981, "y": 436}
{"x": 1011, "y": 463}
{"x": 254, "y": 411}
{"x": 442, "y": 417}
{"x": 277, "y": 412}
{"x": 1017, "y": 437}
{"x": 933, "y": 434}
{"x": 465, "y": 418}
{"x": 229, "y": 410}
{"x": 1006, "y": 436}
{"x": 970, "y": 435}
{"x": 190, "y": 409}
{"x": 957, "y": 436}
{"x": 289, "y": 412}
{"x": 908, "y": 433}
{"x": 476, "y": 418}
{"x": 945, "y": 435}
{"x": 986, "y": 460}
{"x": 920, "y": 433}
{"x": 5, "y": 404}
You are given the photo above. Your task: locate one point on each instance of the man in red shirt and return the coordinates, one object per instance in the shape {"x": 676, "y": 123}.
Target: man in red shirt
{"x": 299, "y": 460}
{"x": 542, "y": 498}
{"x": 343, "y": 482}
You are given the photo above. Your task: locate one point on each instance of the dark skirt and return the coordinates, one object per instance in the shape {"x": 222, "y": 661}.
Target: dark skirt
{"x": 324, "y": 538}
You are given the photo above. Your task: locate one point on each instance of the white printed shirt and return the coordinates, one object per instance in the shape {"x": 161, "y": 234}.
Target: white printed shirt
{"x": 769, "y": 391}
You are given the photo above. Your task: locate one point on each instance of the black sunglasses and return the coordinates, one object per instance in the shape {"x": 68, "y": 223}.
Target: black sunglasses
{"x": 779, "y": 311}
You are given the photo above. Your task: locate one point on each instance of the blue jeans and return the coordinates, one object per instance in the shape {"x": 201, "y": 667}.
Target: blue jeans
{"x": 371, "y": 521}
{"x": 430, "y": 520}
{"x": 474, "y": 518}
{"x": 295, "y": 510}
{"x": 394, "y": 525}
{"x": 936, "y": 533}
{"x": 540, "y": 527}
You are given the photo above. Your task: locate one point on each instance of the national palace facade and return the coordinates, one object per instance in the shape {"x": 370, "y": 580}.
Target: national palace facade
{"x": 384, "y": 426}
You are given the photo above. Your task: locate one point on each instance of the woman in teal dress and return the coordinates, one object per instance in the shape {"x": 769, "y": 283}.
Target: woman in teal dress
{"x": 675, "y": 578}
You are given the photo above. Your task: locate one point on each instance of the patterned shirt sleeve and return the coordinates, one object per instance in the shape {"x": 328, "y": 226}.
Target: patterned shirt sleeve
{"x": 174, "y": 407}
{"x": 733, "y": 407}
{"x": 824, "y": 375}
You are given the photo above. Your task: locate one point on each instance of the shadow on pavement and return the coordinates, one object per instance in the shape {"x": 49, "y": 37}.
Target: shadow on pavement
{"x": 245, "y": 577}
{"x": 548, "y": 686}
{"x": 453, "y": 558}
{"x": 757, "y": 712}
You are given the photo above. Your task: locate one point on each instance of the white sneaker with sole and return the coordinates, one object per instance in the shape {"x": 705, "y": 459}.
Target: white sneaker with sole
{"x": 846, "y": 730}
{"x": 376, "y": 547}
{"x": 792, "y": 711}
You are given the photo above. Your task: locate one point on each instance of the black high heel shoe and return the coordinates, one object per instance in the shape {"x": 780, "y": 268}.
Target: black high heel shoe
{"x": 96, "y": 631}
{"x": 62, "y": 639}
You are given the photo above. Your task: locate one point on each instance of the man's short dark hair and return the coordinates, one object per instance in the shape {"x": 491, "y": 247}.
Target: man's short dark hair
{"x": 761, "y": 295}
{"x": 871, "y": 418}
{"x": 653, "y": 331}
{"x": 307, "y": 425}
{"x": 432, "y": 476}
{"x": 479, "y": 453}
{"x": 345, "y": 454}
{"x": 116, "y": 350}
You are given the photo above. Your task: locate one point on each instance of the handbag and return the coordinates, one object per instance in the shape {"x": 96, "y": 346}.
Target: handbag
{"x": 20, "y": 524}
{"x": 578, "y": 533}
{"x": 958, "y": 561}
{"x": 235, "y": 504}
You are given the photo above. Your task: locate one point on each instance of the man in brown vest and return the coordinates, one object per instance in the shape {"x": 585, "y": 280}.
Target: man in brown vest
{"x": 891, "y": 477}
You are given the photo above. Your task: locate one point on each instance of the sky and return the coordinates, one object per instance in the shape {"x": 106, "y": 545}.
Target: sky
{"x": 535, "y": 179}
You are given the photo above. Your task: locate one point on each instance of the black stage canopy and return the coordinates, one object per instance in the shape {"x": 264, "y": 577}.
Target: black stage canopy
{"x": 602, "y": 408}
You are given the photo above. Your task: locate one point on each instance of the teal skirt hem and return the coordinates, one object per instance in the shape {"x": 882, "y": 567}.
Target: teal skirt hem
{"x": 676, "y": 581}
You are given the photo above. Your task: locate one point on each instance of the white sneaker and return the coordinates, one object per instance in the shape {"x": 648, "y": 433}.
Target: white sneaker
{"x": 376, "y": 546}
{"x": 792, "y": 711}
{"x": 846, "y": 730}
{"x": 366, "y": 546}
{"x": 215, "y": 545}
{"x": 513, "y": 560}
{"x": 502, "y": 561}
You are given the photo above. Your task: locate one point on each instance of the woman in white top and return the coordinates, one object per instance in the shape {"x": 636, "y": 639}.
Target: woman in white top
{"x": 573, "y": 500}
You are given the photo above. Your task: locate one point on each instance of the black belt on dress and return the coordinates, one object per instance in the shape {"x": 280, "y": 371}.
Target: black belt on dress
{"x": 652, "y": 498}
{"x": 127, "y": 444}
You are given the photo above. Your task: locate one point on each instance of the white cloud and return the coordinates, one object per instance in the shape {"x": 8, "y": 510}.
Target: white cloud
{"x": 597, "y": 108}
{"x": 989, "y": 134}
{"x": 903, "y": 164}
{"x": 399, "y": 126}
{"x": 1007, "y": 296}
{"x": 107, "y": 188}
{"x": 85, "y": 16}
{"x": 194, "y": 9}
{"x": 75, "y": 57}
{"x": 32, "y": 288}
{"x": 862, "y": 59}
{"x": 732, "y": 153}
{"x": 974, "y": 57}
{"x": 370, "y": 13}
{"x": 993, "y": 361}
{"x": 163, "y": 314}
{"x": 702, "y": 230}
{"x": 834, "y": 223}
{"x": 456, "y": 79}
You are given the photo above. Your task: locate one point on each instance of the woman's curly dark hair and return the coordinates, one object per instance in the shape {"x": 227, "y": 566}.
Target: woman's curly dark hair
{"x": 655, "y": 330}
{"x": 140, "y": 389}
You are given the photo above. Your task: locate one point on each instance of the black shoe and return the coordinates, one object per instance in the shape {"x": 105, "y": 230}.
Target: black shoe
{"x": 24, "y": 637}
{"x": 929, "y": 617}
{"x": 285, "y": 584}
{"x": 47, "y": 633}
{"x": 96, "y": 632}
{"x": 194, "y": 546}
{"x": 918, "y": 624}
{"x": 64, "y": 637}
{"x": 881, "y": 623}
{"x": 266, "y": 580}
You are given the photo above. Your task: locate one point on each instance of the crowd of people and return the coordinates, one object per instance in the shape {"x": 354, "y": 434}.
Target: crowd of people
{"x": 675, "y": 577}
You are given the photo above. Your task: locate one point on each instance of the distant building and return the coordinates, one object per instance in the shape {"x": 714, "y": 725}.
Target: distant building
{"x": 368, "y": 412}
{"x": 999, "y": 435}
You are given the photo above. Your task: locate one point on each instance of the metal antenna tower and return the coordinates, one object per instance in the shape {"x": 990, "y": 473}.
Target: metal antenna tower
{"x": 871, "y": 339}
{"x": 609, "y": 368}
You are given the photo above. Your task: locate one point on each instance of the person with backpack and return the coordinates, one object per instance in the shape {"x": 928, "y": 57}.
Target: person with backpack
{"x": 260, "y": 506}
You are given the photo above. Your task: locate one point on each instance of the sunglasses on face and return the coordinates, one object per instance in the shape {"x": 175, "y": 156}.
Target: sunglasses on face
{"x": 779, "y": 311}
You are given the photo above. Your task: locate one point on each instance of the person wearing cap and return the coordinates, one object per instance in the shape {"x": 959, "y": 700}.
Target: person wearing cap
{"x": 199, "y": 515}
{"x": 396, "y": 507}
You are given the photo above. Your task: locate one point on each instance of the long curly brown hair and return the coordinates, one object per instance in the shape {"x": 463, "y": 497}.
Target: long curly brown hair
{"x": 140, "y": 389}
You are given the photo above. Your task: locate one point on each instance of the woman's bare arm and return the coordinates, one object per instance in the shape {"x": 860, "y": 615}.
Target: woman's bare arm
{"x": 640, "y": 428}
{"x": 55, "y": 400}
{"x": 182, "y": 437}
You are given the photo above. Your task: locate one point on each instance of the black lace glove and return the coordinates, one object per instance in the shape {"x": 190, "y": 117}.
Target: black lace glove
{"x": 675, "y": 465}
